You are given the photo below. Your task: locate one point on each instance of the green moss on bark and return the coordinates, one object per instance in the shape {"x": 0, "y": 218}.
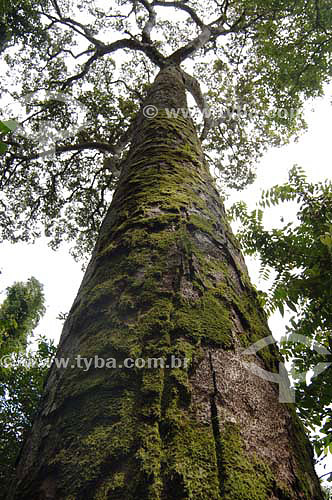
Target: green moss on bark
{"x": 166, "y": 279}
{"x": 245, "y": 476}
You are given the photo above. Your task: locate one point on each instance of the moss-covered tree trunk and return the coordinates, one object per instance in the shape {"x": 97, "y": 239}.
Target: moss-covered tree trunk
{"x": 166, "y": 279}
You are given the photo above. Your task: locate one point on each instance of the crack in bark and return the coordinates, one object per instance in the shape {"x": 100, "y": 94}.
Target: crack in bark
{"x": 216, "y": 429}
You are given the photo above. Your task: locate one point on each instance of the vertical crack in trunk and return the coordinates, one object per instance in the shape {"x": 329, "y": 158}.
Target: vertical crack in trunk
{"x": 216, "y": 428}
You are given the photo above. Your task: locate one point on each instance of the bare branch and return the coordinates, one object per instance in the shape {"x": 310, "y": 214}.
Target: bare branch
{"x": 127, "y": 43}
{"x": 326, "y": 474}
{"x": 103, "y": 147}
{"x": 151, "y": 22}
{"x": 74, "y": 25}
{"x": 130, "y": 89}
{"x": 82, "y": 73}
{"x": 192, "y": 85}
{"x": 184, "y": 52}
{"x": 57, "y": 8}
{"x": 209, "y": 33}
{"x": 221, "y": 19}
{"x": 181, "y": 5}
{"x": 65, "y": 51}
{"x": 86, "y": 32}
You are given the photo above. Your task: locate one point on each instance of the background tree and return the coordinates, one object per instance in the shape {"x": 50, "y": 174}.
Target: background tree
{"x": 166, "y": 276}
{"x": 300, "y": 255}
{"x": 22, "y": 370}
{"x": 20, "y": 313}
{"x": 21, "y": 386}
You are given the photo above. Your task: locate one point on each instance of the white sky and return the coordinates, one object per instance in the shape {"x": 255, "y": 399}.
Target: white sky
{"x": 61, "y": 275}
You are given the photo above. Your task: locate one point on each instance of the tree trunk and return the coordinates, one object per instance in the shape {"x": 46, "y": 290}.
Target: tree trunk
{"x": 166, "y": 279}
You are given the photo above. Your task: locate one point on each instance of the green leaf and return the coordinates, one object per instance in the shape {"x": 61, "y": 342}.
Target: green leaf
{"x": 326, "y": 239}
{"x": 281, "y": 308}
{"x": 291, "y": 305}
{"x": 10, "y": 124}
{"x": 3, "y": 148}
{"x": 4, "y": 128}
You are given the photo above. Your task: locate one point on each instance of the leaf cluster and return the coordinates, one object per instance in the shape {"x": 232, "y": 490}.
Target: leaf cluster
{"x": 20, "y": 313}
{"x": 20, "y": 22}
{"x": 20, "y": 392}
{"x": 23, "y": 375}
{"x": 6, "y": 127}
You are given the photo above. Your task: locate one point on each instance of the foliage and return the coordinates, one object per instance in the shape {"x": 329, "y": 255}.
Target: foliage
{"x": 259, "y": 60}
{"x": 20, "y": 391}
{"x": 20, "y": 313}
{"x": 19, "y": 22}
{"x": 327, "y": 491}
{"x": 300, "y": 253}
{"x": 22, "y": 371}
{"x": 6, "y": 127}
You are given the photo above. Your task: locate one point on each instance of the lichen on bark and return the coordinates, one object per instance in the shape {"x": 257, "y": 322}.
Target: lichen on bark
{"x": 166, "y": 278}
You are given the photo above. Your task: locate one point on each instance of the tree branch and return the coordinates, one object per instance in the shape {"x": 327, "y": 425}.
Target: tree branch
{"x": 127, "y": 43}
{"x": 82, "y": 73}
{"x": 102, "y": 147}
{"x": 151, "y": 22}
{"x": 181, "y": 5}
{"x": 223, "y": 17}
{"x": 129, "y": 89}
{"x": 192, "y": 85}
{"x": 86, "y": 32}
{"x": 327, "y": 474}
{"x": 184, "y": 52}
{"x": 70, "y": 23}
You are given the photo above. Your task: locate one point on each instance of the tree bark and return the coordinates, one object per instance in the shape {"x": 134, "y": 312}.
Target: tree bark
{"x": 166, "y": 279}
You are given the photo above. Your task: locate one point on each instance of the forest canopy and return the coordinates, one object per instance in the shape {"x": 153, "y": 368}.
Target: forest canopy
{"x": 77, "y": 74}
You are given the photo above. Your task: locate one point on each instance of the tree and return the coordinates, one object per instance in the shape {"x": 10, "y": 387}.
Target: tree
{"x": 257, "y": 71}
{"x": 22, "y": 372}
{"x": 20, "y": 313}
{"x": 300, "y": 254}
{"x": 21, "y": 387}
{"x": 166, "y": 276}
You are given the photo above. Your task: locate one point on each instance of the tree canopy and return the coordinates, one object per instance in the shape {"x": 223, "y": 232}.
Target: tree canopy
{"x": 251, "y": 63}
{"x": 20, "y": 313}
{"x": 22, "y": 370}
{"x": 19, "y": 22}
{"x": 21, "y": 386}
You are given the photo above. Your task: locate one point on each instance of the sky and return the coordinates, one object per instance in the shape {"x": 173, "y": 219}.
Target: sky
{"x": 61, "y": 275}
